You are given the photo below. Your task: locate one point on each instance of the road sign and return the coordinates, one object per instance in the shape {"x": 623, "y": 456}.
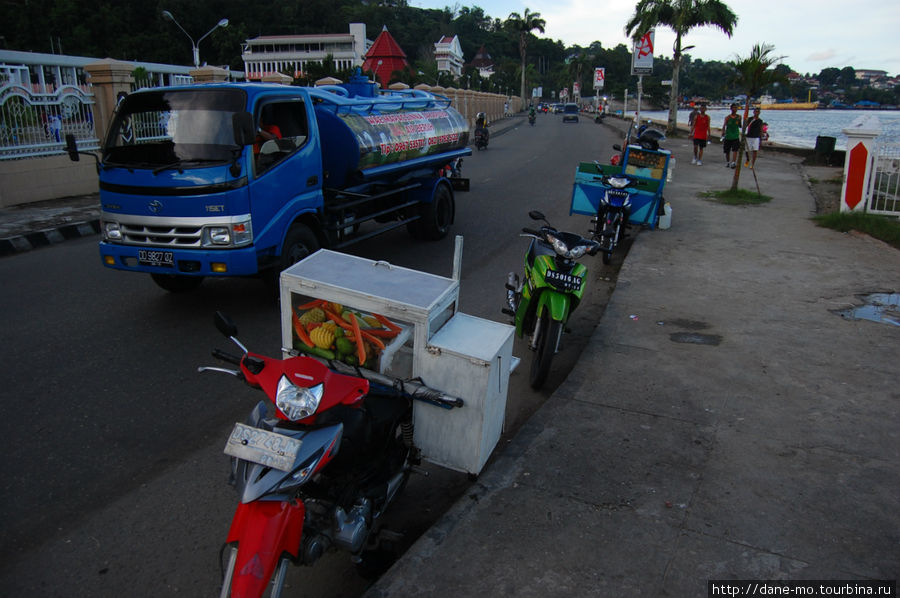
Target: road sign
{"x": 642, "y": 57}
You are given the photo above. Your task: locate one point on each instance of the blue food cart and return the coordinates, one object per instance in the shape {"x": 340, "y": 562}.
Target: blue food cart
{"x": 649, "y": 169}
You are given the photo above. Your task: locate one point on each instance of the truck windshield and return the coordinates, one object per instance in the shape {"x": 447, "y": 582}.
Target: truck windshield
{"x": 160, "y": 128}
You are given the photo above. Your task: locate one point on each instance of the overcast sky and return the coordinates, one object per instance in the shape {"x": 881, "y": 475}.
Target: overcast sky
{"x": 811, "y": 35}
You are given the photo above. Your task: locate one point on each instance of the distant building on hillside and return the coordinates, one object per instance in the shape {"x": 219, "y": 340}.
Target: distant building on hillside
{"x": 870, "y": 75}
{"x": 484, "y": 63}
{"x": 449, "y": 55}
{"x": 269, "y": 54}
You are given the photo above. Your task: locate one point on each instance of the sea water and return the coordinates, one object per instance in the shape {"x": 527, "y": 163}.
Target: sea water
{"x": 799, "y": 128}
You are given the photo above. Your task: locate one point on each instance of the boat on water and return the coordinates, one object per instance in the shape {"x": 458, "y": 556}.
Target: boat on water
{"x": 769, "y": 103}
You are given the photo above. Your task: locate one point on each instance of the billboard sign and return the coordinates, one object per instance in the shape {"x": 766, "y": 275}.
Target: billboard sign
{"x": 642, "y": 57}
{"x": 599, "y": 77}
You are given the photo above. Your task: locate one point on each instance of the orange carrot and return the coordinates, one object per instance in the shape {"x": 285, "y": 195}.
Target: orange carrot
{"x": 372, "y": 339}
{"x": 301, "y": 332}
{"x": 312, "y": 304}
{"x": 381, "y": 332}
{"x": 338, "y": 320}
{"x": 387, "y": 323}
{"x": 360, "y": 348}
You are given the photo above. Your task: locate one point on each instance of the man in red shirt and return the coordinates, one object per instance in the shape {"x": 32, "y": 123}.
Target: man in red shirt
{"x": 700, "y": 135}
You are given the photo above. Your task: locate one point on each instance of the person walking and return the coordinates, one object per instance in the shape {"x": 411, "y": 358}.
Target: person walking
{"x": 693, "y": 114}
{"x": 700, "y": 134}
{"x": 754, "y": 132}
{"x": 731, "y": 139}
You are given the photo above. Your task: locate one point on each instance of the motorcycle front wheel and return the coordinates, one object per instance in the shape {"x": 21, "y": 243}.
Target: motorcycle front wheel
{"x": 548, "y": 335}
{"x": 275, "y": 586}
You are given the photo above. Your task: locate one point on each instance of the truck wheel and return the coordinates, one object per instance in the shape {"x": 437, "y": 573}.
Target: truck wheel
{"x": 299, "y": 243}
{"x": 436, "y": 216}
{"x": 175, "y": 283}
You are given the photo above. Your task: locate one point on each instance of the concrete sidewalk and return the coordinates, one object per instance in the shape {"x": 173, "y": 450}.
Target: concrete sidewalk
{"x": 725, "y": 421}
{"x": 29, "y": 226}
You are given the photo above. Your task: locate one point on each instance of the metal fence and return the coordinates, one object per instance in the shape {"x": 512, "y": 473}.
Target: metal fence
{"x": 884, "y": 186}
{"x": 36, "y": 124}
{"x": 44, "y": 97}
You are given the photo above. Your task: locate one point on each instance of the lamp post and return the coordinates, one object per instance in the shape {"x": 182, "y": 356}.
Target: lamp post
{"x": 194, "y": 45}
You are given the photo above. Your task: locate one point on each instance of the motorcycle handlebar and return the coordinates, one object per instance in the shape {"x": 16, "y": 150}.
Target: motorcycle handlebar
{"x": 227, "y": 357}
{"x": 412, "y": 388}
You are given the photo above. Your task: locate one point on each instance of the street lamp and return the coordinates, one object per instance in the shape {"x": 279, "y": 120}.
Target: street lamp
{"x": 195, "y": 45}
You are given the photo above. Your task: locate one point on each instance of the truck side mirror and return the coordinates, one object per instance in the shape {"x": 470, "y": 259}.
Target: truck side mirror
{"x": 72, "y": 147}
{"x": 244, "y": 131}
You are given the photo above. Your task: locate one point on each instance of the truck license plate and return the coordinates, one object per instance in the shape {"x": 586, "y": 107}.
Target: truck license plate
{"x": 261, "y": 446}
{"x": 152, "y": 257}
{"x": 569, "y": 282}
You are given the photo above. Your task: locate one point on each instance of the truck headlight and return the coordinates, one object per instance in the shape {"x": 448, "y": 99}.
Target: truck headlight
{"x": 228, "y": 235}
{"x": 111, "y": 231}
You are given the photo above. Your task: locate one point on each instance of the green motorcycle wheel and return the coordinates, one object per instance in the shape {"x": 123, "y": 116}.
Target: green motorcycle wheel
{"x": 548, "y": 335}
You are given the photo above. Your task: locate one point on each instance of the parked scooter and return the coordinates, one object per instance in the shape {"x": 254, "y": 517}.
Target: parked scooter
{"x": 551, "y": 290}
{"x": 482, "y": 136}
{"x": 613, "y": 211}
{"x": 319, "y": 472}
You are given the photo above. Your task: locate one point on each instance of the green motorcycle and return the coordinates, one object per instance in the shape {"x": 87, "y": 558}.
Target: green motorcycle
{"x": 551, "y": 290}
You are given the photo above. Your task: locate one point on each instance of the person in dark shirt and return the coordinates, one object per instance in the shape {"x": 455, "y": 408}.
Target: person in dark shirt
{"x": 753, "y": 133}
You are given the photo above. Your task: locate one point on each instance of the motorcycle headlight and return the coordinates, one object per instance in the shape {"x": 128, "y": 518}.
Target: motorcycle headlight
{"x": 563, "y": 249}
{"x": 618, "y": 182}
{"x": 297, "y": 402}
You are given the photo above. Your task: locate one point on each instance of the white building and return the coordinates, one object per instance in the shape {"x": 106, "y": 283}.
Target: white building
{"x": 449, "y": 56}
{"x": 269, "y": 54}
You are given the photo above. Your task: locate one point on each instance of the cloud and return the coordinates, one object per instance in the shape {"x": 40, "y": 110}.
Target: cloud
{"x": 822, "y": 55}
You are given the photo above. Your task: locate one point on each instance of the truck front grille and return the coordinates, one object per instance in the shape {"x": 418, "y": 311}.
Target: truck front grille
{"x": 161, "y": 236}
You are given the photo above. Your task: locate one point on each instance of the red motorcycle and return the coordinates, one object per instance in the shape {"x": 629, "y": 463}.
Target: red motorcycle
{"x": 318, "y": 472}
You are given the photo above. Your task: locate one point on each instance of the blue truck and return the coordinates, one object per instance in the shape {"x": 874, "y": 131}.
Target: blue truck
{"x": 246, "y": 179}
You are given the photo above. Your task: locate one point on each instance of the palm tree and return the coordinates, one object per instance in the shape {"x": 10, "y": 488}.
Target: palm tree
{"x": 680, "y": 16}
{"x": 577, "y": 66}
{"x": 753, "y": 74}
{"x": 523, "y": 25}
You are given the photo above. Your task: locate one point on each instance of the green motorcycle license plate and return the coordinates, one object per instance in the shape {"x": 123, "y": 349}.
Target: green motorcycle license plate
{"x": 567, "y": 282}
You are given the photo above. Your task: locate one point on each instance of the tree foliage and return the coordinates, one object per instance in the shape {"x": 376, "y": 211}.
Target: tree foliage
{"x": 521, "y": 26}
{"x": 135, "y": 31}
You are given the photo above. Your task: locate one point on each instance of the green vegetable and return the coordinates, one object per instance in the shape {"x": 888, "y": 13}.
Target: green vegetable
{"x": 323, "y": 353}
{"x": 344, "y": 346}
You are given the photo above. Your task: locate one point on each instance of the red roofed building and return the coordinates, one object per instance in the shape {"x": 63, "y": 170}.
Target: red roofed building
{"x": 385, "y": 57}
{"x": 484, "y": 63}
{"x": 449, "y": 55}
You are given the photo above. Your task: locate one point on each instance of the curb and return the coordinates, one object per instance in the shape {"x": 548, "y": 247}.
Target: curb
{"x": 52, "y": 236}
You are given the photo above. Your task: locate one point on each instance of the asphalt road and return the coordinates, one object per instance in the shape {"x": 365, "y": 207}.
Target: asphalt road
{"x": 114, "y": 479}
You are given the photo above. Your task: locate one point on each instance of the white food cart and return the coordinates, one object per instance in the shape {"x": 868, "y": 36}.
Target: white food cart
{"x": 461, "y": 355}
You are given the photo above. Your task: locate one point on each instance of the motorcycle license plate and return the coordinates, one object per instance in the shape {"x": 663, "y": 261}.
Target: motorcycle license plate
{"x": 261, "y": 446}
{"x": 560, "y": 280}
{"x": 151, "y": 257}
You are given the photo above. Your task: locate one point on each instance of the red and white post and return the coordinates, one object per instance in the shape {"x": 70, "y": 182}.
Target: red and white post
{"x": 859, "y": 162}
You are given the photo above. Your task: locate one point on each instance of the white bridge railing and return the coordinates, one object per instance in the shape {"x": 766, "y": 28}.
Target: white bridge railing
{"x": 36, "y": 124}
{"x": 884, "y": 186}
